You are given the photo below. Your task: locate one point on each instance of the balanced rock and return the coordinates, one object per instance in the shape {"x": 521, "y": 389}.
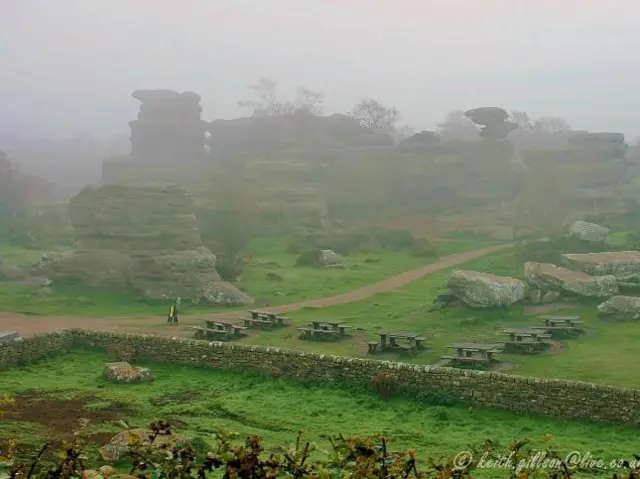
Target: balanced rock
{"x": 126, "y": 373}
{"x": 590, "y": 232}
{"x": 621, "y": 307}
{"x": 143, "y": 239}
{"x": 483, "y": 290}
{"x": 624, "y": 265}
{"x": 549, "y": 277}
{"x": 121, "y": 443}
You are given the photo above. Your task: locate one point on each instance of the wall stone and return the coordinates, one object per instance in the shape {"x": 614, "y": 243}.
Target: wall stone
{"x": 547, "y": 397}
{"x": 33, "y": 349}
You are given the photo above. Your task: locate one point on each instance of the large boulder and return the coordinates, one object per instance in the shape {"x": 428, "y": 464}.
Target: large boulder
{"x": 320, "y": 257}
{"x": 483, "y": 290}
{"x": 143, "y": 239}
{"x": 590, "y": 232}
{"x": 124, "y": 372}
{"x": 621, "y": 307}
{"x": 121, "y": 443}
{"x": 549, "y": 277}
{"x": 624, "y": 265}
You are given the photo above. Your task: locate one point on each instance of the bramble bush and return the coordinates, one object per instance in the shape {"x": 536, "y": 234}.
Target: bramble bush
{"x": 349, "y": 457}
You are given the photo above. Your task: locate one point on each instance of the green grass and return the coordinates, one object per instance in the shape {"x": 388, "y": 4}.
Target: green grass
{"x": 205, "y": 400}
{"x": 303, "y": 283}
{"x": 602, "y": 355}
{"x": 269, "y": 256}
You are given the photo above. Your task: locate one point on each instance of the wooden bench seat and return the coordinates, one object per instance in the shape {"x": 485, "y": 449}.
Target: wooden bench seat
{"x": 466, "y": 359}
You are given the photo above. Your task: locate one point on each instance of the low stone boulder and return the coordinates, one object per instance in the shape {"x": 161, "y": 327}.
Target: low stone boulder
{"x": 483, "y": 290}
{"x": 621, "y": 308}
{"x": 126, "y": 373}
{"x": 121, "y": 443}
{"x": 624, "y": 265}
{"x": 590, "y": 232}
{"x": 549, "y": 277}
{"x": 320, "y": 257}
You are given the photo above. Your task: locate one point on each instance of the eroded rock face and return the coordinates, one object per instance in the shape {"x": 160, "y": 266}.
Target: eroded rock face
{"x": 482, "y": 290}
{"x": 621, "y": 308}
{"x": 142, "y": 239}
{"x": 590, "y": 232}
{"x": 549, "y": 277}
{"x": 624, "y": 265}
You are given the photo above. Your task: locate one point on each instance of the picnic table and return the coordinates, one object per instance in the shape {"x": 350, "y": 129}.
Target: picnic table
{"x": 559, "y": 326}
{"x": 560, "y": 320}
{"x": 264, "y": 318}
{"x": 329, "y": 330}
{"x": 528, "y": 340}
{"x": 218, "y": 329}
{"x": 388, "y": 342}
{"x": 473, "y": 353}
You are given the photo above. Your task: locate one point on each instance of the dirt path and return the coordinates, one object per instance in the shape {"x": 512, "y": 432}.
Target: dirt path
{"x": 29, "y": 325}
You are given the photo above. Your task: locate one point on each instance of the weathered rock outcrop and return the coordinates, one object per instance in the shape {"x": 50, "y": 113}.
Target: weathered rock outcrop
{"x": 120, "y": 444}
{"x": 143, "y": 239}
{"x": 126, "y": 373}
{"x": 590, "y": 232}
{"x": 624, "y": 265}
{"x": 320, "y": 257}
{"x": 549, "y": 277}
{"x": 621, "y": 307}
{"x": 483, "y": 290}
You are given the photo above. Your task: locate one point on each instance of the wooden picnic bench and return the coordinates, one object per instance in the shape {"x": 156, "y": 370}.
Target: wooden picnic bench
{"x": 262, "y": 318}
{"x": 527, "y": 340}
{"x": 323, "y": 334}
{"x": 473, "y": 353}
{"x": 550, "y": 320}
{"x": 331, "y": 325}
{"x": 388, "y": 342}
{"x": 218, "y": 329}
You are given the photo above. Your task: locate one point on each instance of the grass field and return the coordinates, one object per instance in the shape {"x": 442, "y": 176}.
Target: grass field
{"x": 297, "y": 283}
{"x": 602, "y": 355}
{"x": 199, "y": 401}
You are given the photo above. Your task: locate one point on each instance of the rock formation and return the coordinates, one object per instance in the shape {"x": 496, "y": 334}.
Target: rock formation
{"x": 590, "y": 232}
{"x": 169, "y": 126}
{"x": 120, "y": 444}
{"x": 549, "y": 277}
{"x": 621, "y": 307}
{"x": 142, "y": 239}
{"x": 126, "y": 373}
{"x": 624, "y": 265}
{"x": 483, "y": 290}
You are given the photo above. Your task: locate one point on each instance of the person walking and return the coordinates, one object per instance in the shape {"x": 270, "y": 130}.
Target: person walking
{"x": 172, "y": 315}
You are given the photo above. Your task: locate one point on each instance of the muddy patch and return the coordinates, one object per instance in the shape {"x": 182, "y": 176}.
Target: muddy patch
{"x": 61, "y": 415}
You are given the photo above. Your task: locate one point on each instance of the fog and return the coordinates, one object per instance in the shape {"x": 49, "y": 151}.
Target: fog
{"x": 72, "y": 68}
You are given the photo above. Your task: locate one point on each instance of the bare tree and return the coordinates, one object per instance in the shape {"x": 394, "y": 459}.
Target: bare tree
{"x": 372, "y": 114}
{"x": 309, "y": 101}
{"x": 267, "y": 103}
{"x": 457, "y": 127}
{"x": 551, "y": 125}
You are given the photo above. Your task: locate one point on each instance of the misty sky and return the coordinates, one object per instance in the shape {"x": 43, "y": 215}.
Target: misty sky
{"x": 70, "y": 66}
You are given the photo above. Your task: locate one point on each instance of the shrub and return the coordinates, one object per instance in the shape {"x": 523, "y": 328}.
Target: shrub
{"x": 384, "y": 384}
{"x": 309, "y": 258}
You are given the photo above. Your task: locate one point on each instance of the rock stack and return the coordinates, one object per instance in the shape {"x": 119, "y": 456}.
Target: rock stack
{"x": 169, "y": 126}
{"x": 143, "y": 239}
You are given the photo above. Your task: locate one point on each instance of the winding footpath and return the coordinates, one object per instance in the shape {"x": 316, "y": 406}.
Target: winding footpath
{"x": 30, "y": 325}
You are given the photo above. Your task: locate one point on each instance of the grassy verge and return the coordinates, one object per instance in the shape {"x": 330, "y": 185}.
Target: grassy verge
{"x": 201, "y": 401}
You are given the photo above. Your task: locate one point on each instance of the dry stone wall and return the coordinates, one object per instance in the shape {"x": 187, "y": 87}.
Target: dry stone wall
{"x": 549, "y": 397}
